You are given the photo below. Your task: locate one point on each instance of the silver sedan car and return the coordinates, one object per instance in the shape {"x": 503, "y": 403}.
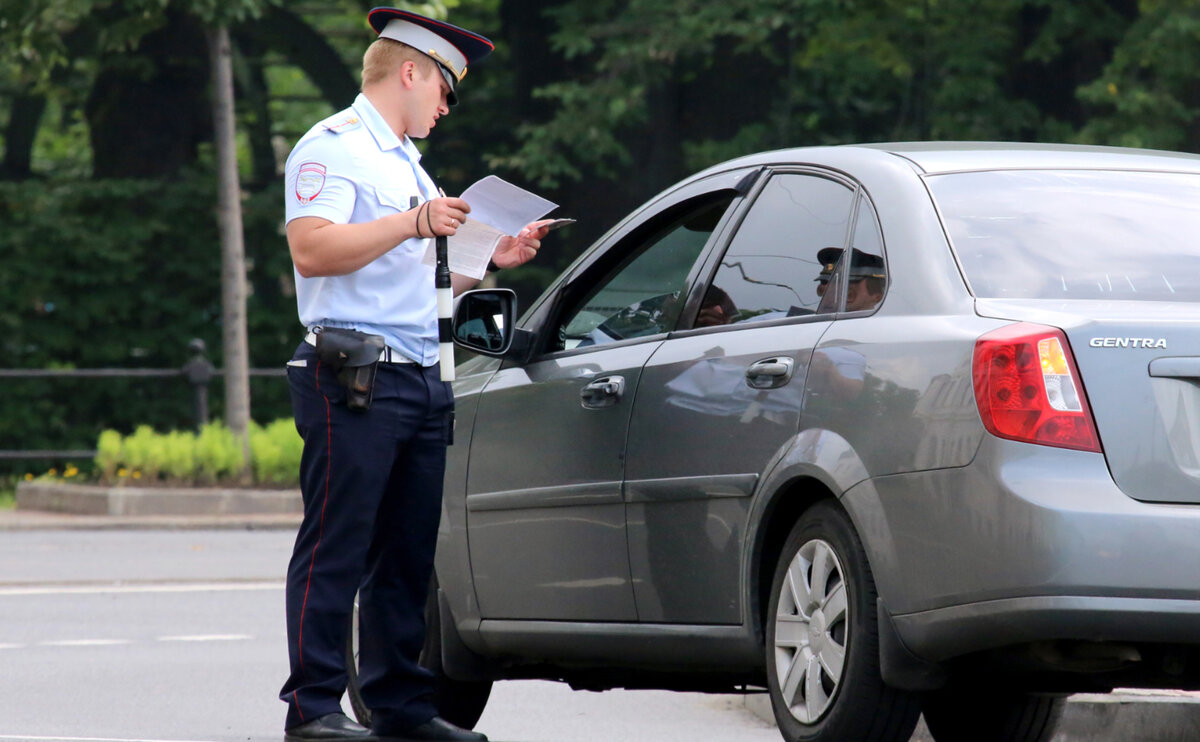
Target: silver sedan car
{"x": 880, "y": 430}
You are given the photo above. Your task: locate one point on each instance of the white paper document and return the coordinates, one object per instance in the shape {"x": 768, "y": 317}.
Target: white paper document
{"x": 498, "y": 208}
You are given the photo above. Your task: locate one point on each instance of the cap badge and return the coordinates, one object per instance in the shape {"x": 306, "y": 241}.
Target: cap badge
{"x": 447, "y": 65}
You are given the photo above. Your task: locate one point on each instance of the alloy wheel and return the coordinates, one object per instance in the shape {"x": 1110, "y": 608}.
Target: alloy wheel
{"x": 811, "y": 631}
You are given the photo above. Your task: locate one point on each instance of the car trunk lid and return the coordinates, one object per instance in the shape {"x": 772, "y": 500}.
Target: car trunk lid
{"x": 1139, "y": 364}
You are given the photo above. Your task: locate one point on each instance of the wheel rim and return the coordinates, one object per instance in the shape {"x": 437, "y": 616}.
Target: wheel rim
{"x": 811, "y": 631}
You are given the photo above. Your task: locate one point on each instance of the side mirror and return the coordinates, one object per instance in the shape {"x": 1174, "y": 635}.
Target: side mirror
{"x": 485, "y": 321}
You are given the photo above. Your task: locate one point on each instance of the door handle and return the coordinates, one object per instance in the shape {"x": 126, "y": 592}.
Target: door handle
{"x": 603, "y": 392}
{"x": 770, "y": 373}
{"x": 1187, "y": 367}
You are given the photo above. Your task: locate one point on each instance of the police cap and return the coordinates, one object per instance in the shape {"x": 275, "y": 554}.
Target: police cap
{"x": 862, "y": 264}
{"x": 453, "y": 48}
{"x": 828, "y": 258}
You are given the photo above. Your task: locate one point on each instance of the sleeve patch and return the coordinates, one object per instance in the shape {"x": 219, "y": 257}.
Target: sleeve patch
{"x": 309, "y": 182}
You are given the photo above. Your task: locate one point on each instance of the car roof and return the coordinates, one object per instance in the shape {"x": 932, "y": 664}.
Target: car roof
{"x": 942, "y": 157}
{"x": 945, "y": 157}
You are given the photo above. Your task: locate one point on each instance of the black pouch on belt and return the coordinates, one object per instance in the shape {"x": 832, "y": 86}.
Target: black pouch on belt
{"x": 354, "y": 356}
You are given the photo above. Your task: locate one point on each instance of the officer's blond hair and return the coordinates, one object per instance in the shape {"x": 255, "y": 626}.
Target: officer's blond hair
{"x": 385, "y": 55}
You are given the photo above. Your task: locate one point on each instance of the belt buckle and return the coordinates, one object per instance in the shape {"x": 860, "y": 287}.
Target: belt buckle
{"x": 388, "y": 355}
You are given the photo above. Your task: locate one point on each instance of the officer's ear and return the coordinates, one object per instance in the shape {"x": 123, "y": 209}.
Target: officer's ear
{"x": 408, "y": 74}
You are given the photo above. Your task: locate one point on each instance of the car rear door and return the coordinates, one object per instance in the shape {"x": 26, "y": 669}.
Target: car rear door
{"x": 717, "y": 401}
{"x": 545, "y": 510}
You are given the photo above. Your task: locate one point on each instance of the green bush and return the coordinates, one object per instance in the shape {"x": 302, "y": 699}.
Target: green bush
{"x": 218, "y": 453}
{"x": 179, "y": 462}
{"x": 144, "y": 452}
{"x": 275, "y": 451}
{"x": 214, "y": 456}
{"x": 108, "y": 454}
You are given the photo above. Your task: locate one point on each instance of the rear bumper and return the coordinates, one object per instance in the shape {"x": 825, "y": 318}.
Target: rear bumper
{"x": 1028, "y": 543}
{"x": 944, "y": 633}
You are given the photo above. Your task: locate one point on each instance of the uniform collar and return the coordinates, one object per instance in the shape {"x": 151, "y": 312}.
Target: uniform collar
{"x": 384, "y": 136}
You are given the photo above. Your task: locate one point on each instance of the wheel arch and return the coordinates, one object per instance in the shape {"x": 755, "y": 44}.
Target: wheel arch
{"x": 814, "y": 466}
{"x": 780, "y": 512}
{"x": 822, "y": 466}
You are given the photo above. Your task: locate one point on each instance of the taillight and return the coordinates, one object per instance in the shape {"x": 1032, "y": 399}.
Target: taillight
{"x": 1028, "y": 388}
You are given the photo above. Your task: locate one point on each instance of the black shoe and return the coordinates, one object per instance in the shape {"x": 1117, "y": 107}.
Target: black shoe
{"x": 329, "y": 727}
{"x": 436, "y": 729}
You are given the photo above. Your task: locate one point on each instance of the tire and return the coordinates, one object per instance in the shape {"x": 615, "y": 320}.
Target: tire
{"x": 459, "y": 702}
{"x": 983, "y": 714}
{"x": 822, "y": 647}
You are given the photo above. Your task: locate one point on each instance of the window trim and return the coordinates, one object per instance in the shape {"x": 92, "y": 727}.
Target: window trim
{"x": 861, "y": 198}
{"x": 717, "y": 252}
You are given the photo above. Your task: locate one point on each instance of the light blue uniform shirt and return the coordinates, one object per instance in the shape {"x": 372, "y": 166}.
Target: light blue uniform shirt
{"x": 352, "y": 168}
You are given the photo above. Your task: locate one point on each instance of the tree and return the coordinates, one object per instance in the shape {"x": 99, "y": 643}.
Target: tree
{"x": 730, "y": 78}
{"x": 120, "y": 93}
{"x": 233, "y": 252}
{"x": 1148, "y": 94}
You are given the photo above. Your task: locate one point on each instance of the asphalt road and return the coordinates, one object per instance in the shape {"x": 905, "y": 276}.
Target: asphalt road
{"x": 177, "y": 636}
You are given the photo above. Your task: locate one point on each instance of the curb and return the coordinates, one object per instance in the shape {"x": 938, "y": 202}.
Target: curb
{"x": 81, "y": 499}
{"x": 1143, "y": 715}
{"x": 58, "y": 506}
{"x": 14, "y": 520}
{"x": 1120, "y": 716}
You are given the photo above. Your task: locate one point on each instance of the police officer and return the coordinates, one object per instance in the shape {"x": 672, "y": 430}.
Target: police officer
{"x": 371, "y": 478}
{"x": 867, "y": 279}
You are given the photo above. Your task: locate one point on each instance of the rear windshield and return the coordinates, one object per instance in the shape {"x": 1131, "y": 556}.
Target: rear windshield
{"x": 1075, "y": 234}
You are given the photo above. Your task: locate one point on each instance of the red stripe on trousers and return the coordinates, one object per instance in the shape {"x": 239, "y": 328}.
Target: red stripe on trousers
{"x": 320, "y": 530}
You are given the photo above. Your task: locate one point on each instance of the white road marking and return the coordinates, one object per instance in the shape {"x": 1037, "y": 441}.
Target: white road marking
{"x": 83, "y": 643}
{"x": 183, "y": 587}
{"x": 118, "y": 642}
{"x": 29, "y": 738}
{"x": 206, "y": 638}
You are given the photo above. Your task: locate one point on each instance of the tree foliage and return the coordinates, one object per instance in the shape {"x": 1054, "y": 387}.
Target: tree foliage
{"x": 792, "y": 72}
{"x": 1148, "y": 94}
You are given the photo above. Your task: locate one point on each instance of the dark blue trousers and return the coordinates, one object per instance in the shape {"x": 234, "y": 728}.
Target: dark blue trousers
{"x": 372, "y": 488}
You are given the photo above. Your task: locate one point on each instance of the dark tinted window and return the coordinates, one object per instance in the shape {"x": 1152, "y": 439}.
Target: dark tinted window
{"x": 644, "y": 294}
{"x": 1075, "y": 234}
{"x": 772, "y": 268}
{"x": 868, "y": 278}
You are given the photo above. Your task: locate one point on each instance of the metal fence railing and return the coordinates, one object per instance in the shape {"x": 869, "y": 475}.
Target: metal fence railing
{"x": 198, "y": 372}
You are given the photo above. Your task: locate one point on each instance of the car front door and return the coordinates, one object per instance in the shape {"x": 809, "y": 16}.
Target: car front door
{"x": 545, "y": 508}
{"x": 717, "y": 401}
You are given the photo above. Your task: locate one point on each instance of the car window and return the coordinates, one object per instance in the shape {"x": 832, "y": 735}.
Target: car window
{"x": 780, "y": 261}
{"x": 868, "y": 278}
{"x": 644, "y": 294}
{"x": 1074, "y": 234}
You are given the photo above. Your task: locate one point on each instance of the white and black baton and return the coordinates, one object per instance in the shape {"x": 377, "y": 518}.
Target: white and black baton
{"x": 445, "y": 303}
{"x": 445, "y": 306}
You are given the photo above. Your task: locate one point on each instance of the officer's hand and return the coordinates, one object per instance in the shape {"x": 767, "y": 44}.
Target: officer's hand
{"x": 514, "y": 251}
{"x": 441, "y": 216}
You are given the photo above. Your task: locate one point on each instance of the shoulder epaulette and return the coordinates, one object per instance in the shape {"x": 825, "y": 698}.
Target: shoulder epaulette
{"x": 342, "y": 122}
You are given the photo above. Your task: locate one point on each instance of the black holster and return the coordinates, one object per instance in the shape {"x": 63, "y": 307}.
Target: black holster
{"x": 354, "y": 357}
